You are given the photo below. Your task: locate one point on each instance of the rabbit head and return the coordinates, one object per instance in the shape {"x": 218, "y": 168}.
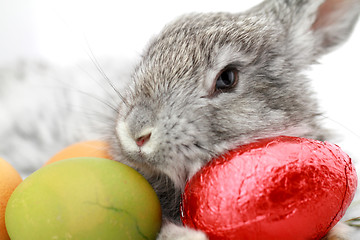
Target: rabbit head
{"x": 209, "y": 82}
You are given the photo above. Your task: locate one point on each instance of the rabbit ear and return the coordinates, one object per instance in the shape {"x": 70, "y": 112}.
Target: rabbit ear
{"x": 321, "y": 25}
{"x": 334, "y": 21}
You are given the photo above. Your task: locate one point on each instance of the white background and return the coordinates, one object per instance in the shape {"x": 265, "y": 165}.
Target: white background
{"x": 62, "y": 31}
{"x": 59, "y": 30}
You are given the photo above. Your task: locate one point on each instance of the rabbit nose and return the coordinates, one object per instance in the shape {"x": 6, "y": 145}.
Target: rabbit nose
{"x": 140, "y": 141}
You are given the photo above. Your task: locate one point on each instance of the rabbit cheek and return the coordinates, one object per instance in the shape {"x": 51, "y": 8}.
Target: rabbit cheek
{"x": 181, "y": 139}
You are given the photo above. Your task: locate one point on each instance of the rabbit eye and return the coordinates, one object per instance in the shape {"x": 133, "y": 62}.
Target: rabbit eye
{"x": 226, "y": 79}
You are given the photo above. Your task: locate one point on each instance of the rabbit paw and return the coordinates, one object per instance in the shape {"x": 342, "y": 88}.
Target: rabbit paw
{"x": 171, "y": 231}
{"x": 341, "y": 231}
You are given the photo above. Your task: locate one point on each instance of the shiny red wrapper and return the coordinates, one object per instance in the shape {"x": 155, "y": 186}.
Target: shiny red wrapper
{"x": 279, "y": 188}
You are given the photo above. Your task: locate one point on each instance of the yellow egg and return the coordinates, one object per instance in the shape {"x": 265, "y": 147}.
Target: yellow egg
{"x": 84, "y": 199}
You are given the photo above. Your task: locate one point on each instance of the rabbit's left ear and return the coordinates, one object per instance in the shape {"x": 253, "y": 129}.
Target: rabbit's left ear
{"x": 334, "y": 21}
{"x": 317, "y": 26}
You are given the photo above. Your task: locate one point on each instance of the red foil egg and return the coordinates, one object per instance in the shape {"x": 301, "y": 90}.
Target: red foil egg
{"x": 279, "y": 188}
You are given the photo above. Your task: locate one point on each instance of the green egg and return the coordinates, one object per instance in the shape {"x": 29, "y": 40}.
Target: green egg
{"x": 84, "y": 199}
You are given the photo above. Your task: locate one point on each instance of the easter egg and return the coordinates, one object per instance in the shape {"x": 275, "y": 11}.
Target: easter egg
{"x": 92, "y": 148}
{"x": 279, "y": 188}
{"x": 84, "y": 199}
{"x": 9, "y": 180}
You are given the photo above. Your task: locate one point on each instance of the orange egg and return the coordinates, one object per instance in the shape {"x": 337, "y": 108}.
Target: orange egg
{"x": 95, "y": 148}
{"x": 9, "y": 180}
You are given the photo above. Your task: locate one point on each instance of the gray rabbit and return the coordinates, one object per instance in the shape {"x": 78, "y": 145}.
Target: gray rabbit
{"x": 210, "y": 82}
{"x": 206, "y": 84}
